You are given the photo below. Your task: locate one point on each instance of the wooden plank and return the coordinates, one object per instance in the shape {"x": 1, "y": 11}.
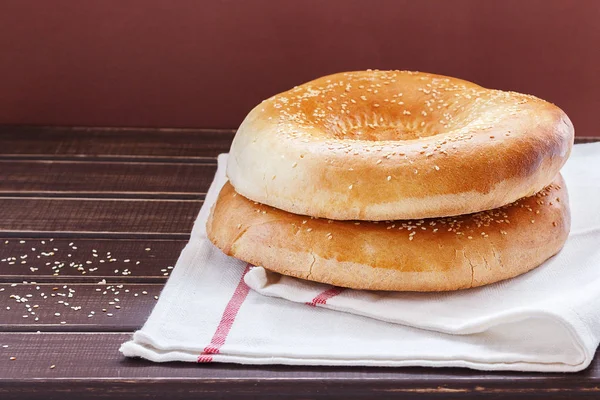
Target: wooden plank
{"x": 111, "y": 307}
{"x": 168, "y": 145}
{"x": 104, "y": 179}
{"x": 25, "y": 217}
{"x": 87, "y": 260}
{"x": 90, "y": 365}
{"x": 113, "y": 143}
{"x": 586, "y": 139}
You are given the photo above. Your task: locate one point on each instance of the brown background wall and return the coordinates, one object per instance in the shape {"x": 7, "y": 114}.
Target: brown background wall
{"x": 184, "y": 63}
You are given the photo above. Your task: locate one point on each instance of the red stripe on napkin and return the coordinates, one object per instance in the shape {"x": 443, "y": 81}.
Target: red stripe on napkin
{"x": 227, "y": 320}
{"x": 322, "y": 297}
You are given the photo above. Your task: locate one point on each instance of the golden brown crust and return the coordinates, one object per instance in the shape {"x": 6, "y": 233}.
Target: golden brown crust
{"x": 419, "y": 255}
{"x": 385, "y": 145}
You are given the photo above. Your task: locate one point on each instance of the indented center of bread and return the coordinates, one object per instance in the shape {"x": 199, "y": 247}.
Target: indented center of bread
{"x": 380, "y": 128}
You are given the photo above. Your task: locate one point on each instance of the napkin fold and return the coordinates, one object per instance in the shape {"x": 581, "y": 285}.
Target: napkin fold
{"x": 215, "y": 308}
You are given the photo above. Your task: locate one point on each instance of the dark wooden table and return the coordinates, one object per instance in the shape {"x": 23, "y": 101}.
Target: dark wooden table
{"x": 91, "y": 223}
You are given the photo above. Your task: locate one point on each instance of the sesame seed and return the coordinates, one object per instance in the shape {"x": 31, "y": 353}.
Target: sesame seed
{"x": 52, "y": 366}
{"x": 389, "y": 178}
{"x": 350, "y": 187}
{"x": 13, "y": 358}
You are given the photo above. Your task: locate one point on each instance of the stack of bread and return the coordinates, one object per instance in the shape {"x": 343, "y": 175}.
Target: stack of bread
{"x": 396, "y": 180}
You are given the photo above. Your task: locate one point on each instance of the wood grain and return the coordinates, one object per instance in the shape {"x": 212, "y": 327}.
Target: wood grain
{"x": 105, "y": 373}
{"x": 105, "y": 179}
{"x": 110, "y": 307}
{"x": 169, "y": 145}
{"x": 25, "y": 217}
{"x": 140, "y": 144}
{"x": 146, "y": 186}
{"x": 586, "y": 139}
{"x": 87, "y": 260}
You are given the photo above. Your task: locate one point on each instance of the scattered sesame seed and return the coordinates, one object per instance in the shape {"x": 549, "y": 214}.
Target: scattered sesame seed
{"x": 389, "y": 178}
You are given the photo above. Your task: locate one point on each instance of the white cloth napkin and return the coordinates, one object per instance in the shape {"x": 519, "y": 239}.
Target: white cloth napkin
{"x": 545, "y": 320}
